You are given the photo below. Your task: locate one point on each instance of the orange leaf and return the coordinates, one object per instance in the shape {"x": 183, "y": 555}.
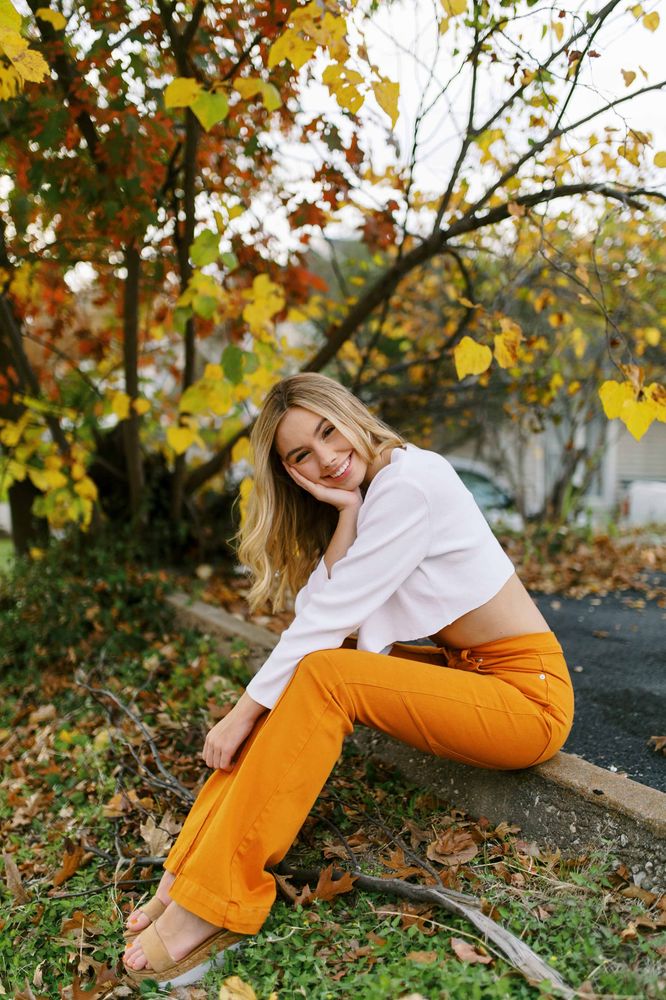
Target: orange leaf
{"x": 74, "y": 854}
{"x": 467, "y": 952}
{"x": 454, "y": 847}
{"x": 328, "y": 889}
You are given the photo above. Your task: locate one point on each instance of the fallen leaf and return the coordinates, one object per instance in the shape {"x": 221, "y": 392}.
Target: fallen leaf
{"x": 157, "y": 839}
{"x": 13, "y": 880}
{"x": 399, "y": 867}
{"x": 235, "y": 988}
{"x": 42, "y": 714}
{"x": 454, "y": 847}
{"x": 635, "y": 892}
{"x": 327, "y": 889}
{"x": 422, "y": 957}
{"x": 74, "y": 855}
{"x": 658, "y": 743}
{"x": 468, "y": 952}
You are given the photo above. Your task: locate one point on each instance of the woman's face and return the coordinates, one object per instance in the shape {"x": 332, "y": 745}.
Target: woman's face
{"x": 320, "y": 452}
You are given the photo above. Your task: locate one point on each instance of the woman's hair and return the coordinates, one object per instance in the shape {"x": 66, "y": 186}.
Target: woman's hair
{"x": 286, "y": 529}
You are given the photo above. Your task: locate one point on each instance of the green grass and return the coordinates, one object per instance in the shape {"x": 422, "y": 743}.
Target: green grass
{"x": 6, "y": 555}
{"x": 64, "y": 769}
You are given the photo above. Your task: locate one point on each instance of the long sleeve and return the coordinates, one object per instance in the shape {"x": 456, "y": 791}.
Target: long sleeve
{"x": 316, "y": 582}
{"x": 392, "y": 540}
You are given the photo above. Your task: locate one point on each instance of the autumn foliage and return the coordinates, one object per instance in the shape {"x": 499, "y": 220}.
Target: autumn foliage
{"x": 168, "y": 169}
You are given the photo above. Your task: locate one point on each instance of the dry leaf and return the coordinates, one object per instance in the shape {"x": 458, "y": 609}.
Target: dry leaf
{"x": 42, "y": 714}
{"x": 157, "y": 839}
{"x": 13, "y": 880}
{"x": 422, "y": 957}
{"x": 468, "y": 952}
{"x": 74, "y": 855}
{"x": 658, "y": 743}
{"x": 454, "y": 847}
{"x": 328, "y": 889}
{"x": 399, "y": 866}
{"x": 235, "y": 988}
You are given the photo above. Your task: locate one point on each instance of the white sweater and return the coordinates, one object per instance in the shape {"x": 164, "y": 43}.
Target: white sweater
{"x": 423, "y": 556}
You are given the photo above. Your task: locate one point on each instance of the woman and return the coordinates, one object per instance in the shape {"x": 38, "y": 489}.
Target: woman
{"x": 400, "y": 550}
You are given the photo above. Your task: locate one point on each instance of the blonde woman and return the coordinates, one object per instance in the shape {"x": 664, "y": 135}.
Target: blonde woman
{"x": 374, "y": 536}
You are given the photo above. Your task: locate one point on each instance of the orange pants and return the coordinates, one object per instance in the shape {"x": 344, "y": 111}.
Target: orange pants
{"x": 505, "y": 704}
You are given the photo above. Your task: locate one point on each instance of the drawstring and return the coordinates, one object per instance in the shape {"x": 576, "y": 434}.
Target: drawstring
{"x": 461, "y": 659}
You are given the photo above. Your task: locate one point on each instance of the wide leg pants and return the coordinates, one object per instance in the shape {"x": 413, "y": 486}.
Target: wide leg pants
{"x": 505, "y": 704}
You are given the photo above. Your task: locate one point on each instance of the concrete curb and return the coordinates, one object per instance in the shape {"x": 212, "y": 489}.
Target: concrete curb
{"x": 567, "y": 801}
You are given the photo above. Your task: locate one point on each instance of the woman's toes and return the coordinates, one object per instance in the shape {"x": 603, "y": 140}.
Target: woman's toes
{"x": 134, "y": 958}
{"x": 137, "y": 921}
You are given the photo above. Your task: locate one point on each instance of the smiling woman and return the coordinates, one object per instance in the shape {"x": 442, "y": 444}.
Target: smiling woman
{"x": 381, "y": 538}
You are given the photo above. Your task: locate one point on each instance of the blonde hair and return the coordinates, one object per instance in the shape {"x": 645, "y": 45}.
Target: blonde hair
{"x": 286, "y": 529}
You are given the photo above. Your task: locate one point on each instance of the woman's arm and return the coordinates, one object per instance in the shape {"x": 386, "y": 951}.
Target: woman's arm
{"x": 347, "y": 503}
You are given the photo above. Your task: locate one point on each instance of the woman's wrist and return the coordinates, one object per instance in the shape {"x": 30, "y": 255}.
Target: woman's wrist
{"x": 248, "y": 708}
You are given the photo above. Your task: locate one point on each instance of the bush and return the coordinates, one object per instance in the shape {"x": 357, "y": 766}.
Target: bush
{"x": 82, "y": 599}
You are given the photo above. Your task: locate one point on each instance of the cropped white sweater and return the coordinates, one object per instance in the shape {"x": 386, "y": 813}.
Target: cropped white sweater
{"x": 423, "y": 556}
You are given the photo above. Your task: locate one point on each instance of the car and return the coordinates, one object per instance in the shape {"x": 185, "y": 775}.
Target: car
{"x": 490, "y": 493}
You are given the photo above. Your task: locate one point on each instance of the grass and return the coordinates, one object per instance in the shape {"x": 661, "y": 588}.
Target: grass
{"x": 71, "y": 794}
{"x": 6, "y": 555}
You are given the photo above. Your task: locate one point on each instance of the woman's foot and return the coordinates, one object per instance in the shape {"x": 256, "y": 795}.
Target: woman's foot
{"x": 138, "y": 920}
{"x": 181, "y": 932}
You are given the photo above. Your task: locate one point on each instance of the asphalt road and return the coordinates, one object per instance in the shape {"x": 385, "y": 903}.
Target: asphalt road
{"x": 616, "y": 650}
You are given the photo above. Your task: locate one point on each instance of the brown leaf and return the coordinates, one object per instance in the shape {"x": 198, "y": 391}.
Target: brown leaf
{"x": 417, "y": 836}
{"x": 105, "y": 978}
{"x": 13, "y": 879}
{"x": 42, "y": 714}
{"x": 468, "y": 952}
{"x": 328, "y": 889}
{"x": 516, "y": 209}
{"x": 422, "y": 957}
{"x": 635, "y": 892}
{"x": 454, "y": 847}
{"x": 121, "y": 803}
{"x": 285, "y": 887}
{"x": 335, "y": 851}
{"x": 399, "y": 866}
{"x": 658, "y": 743}
{"x": 157, "y": 839}
{"x": 74, "y": 855}
{"x": 376, "y": 939}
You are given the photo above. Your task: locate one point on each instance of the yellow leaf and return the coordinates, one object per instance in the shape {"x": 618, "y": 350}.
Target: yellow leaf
{"x": 9, "y": 16}
{"x": 291, "y": 46}
{"x": 86, "y": 488}
{"x": 628, "y": 76}
{"x": 77, "y": 471}
{"x": 213, "y": 372}
{"x": 507, "y": 345}
{"x": 637, "y": 417}
{"x": 140, "y": 406}
{"x": 120, "y": 405}
{"x": 386, "y": 94}
{"x": 558, "y": 30}
{"x": 556, "y": 383}
{"x": 613, "y": 396}
{"x": 10, "y": 83}
{"x": 652, "y": 335}
{"x": 235, "y": 988}
{"x": 651, "y": 22}
{"x": 30, "y": 65}
{"x": 454, "y": 7}
{"x": 656, "y": 395}
{"x": 660, "y": 158}
{"x": 251, "y": 86}
{"x": 343, "y": 84}
{"x": 637, "y": 10}
{"x": 471, "y": 358}
{"x": 180, "y": 438}
{"x": 181, "y": 92}
{"x": 54, "y": 17}
{"x": 242, "y": 451}
{"x": 36, "y": 553}
{"x": 266, "y": 299}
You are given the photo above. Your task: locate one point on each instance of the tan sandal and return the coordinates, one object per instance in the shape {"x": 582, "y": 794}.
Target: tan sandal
{"x": 153, "y": 909}
{"x": 188, "y": 970}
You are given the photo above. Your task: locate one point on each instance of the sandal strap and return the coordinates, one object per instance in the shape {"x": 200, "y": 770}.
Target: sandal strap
{"x": 153, "y": 909}
{"x": 157, "y": 956}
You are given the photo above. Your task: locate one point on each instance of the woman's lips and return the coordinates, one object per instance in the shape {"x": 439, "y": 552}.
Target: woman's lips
{"x": 343, "y": 475}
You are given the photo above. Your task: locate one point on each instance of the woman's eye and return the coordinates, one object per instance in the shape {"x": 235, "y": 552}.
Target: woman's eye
{"x": 301, "y": 456}
{"x": 329, "y": 430}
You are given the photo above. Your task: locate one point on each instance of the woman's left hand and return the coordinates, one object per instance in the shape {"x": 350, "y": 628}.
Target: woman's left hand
{"x": 341, "y": 499}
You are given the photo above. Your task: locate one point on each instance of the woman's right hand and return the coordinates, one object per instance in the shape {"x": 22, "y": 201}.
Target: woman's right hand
{"x": 341, "y": 499}
{"x": 226, "y": 737}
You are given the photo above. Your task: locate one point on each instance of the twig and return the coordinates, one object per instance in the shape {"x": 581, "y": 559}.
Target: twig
{"x": 171, "y": 783}
{"x": 103, "y": 888}
{"x": 515, "y": 951}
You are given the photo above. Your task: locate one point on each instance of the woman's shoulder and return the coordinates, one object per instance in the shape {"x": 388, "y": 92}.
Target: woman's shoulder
{"x": 410, "y": 465}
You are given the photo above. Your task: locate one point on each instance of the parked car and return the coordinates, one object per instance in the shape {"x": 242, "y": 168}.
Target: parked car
{"x": 490, "y": 493}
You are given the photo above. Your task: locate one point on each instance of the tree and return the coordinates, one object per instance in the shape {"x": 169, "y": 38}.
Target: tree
{"x": 158, "y": 158}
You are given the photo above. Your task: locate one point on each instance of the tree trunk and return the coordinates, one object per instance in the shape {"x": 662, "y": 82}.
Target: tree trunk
{"x": 132, "y": 444}
{"x": 184, "y": 241}
{"x": 27, "y": 530}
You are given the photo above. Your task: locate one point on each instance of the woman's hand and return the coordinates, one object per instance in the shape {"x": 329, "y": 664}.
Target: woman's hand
{"x": 225, "y": 738}
{"x": 339, "y": 498}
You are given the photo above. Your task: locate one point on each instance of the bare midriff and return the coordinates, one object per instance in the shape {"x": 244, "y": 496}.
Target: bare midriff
{"x": 510, "y": 612}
